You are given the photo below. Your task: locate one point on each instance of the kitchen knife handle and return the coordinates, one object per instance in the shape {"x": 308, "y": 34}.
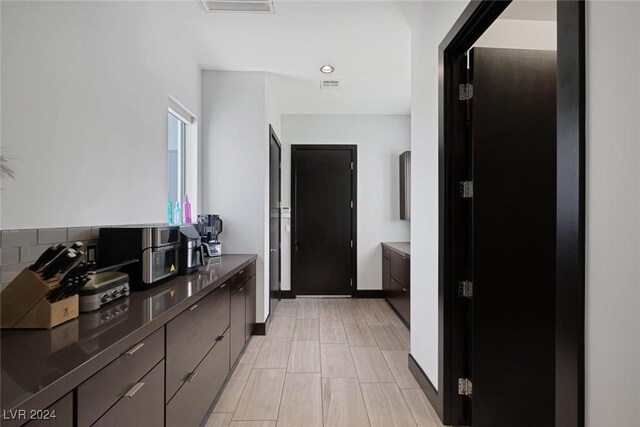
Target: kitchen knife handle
{"x": 133, "y": 390}
{"x": 58, "y": 263}
{"x": 43, "y": 258}
{"x": 76, "y": 261}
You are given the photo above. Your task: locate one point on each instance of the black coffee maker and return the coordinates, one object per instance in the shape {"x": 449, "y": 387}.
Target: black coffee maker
{"x": 210, "y": 226}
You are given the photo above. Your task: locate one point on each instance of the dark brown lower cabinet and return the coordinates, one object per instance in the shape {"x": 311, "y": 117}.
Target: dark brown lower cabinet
{"x": 60, "y": 414}
{"x": 190, "y": 404}
{"x": 192, "y": 384}
{"x": 238, "y": 328}
{"x": 192, "y": 334}
{"x": 399, "y": 298}
{"x": 386, "y": 275}
{"x": 142, "y": 405}
{"x": 396, "y": 281}
{"x": 400, "y": 269}
{"x": 171, "y": 377}
{"x": 96, "y": 395}
{"x": 250, "y": 307}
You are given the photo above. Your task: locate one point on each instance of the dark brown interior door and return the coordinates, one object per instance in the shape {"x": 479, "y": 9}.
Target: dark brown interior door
{"x": 323, "y": 202}
{"x": 513, "y": 258}
{"x": 275, "y": 177}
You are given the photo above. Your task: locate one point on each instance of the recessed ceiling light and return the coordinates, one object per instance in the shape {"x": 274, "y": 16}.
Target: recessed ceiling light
{"x": 327, "y": 69}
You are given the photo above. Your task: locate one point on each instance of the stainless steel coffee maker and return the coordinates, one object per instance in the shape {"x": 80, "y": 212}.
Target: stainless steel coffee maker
{"x": 191, "y": 250}
{"x": 210, "y": 226}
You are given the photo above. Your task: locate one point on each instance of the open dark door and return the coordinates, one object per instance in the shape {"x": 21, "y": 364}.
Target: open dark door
{"x": 324, "y": 212}
{"x": 513, "y": 131}
{"x": 275, "y": 177}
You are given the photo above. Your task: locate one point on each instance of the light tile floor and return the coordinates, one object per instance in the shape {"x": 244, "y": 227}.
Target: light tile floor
{"x": 326, "y": 362}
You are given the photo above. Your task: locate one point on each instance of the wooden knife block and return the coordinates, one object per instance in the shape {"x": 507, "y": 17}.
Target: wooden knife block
{"x": 24, "y": 304}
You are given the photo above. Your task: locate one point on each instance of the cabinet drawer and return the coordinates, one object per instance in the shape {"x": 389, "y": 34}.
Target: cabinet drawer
{"x": 102, "y": 390}
{"x": 386, "y": 275}
{"x": 142, "y": 405}
{"x": 189, "y": 406}
{"x": 62, "y": 410}
{"x": 237, "y": 281}
{"x": 400, "y": 298}
{"x": 250, "y": 306}
{"x": 386, "y": 252}
{"x": 251, "y": 270}
{"x": 238, "y": 328}
{"x": 400, "y": 269}
{"x": 220, "y": 307}
{"x": 192, "y": 334}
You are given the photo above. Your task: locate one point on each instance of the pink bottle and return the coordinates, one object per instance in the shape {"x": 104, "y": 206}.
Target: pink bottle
{"x": 187, "y": 210}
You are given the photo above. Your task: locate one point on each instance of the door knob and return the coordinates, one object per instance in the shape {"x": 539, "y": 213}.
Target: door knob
{"x": 272, "y": 250}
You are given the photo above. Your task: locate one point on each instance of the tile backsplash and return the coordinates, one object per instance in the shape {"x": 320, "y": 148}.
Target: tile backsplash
{"x": 21, "y": 247}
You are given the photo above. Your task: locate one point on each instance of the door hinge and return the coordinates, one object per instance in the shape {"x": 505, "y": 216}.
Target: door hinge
{"x": 465, "y": 91}
{"x": 351, "y": 165}
{"x": 465, "y": 388}
{"x": 466, "y": 189}
{"x": 465, "y": 289}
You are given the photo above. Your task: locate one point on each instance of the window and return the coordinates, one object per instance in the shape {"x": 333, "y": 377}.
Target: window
{"x": 182, "y": 150}
{"x": 177, "y": 164}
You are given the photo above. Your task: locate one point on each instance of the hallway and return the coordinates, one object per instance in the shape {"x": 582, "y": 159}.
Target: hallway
{"x": 326, "y": 362}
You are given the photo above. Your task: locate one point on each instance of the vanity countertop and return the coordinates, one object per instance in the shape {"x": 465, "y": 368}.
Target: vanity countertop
{"x": 403, "y": 248}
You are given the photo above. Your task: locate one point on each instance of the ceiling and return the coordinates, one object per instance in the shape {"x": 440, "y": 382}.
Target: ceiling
{"x": 368, "y": 43}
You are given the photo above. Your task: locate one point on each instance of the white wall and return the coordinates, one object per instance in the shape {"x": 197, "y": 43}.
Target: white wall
{"x": 273, "y": 118}
{"x": 613, "y": 214}
{"x": 430, "y": 27}
{"x": 428, "y": 30}
{"x": 613, "y": 206}
{"x": 234, "y": 165}
{"x": 85, "y": 91}
{"x": 520, "y": 34}
{"x": 1, "y": 179}
{"x": 380, "y": 140}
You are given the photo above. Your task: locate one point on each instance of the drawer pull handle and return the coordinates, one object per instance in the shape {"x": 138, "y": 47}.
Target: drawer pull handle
{"x": 241, "y": 272}
{"x": 136, "y": 348}
{"x": 134, "y": 390}
{"x": 192, "y": 376}
{"x": 404, "y": 289}
{"x": 194, "y": 307}
{"x": 223, "y": 286}
{"x": 219, "y": 337}
{"x": 241, "y": 289}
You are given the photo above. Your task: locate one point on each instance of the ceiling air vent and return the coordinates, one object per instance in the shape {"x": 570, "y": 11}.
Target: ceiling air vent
{"x": 329, "y": 84}
{"x": 242, "y": 6}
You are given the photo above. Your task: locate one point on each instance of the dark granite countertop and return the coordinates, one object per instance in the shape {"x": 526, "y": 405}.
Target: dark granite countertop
{"x": 403, "y": 248}
{"x": 40, "y": 366}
